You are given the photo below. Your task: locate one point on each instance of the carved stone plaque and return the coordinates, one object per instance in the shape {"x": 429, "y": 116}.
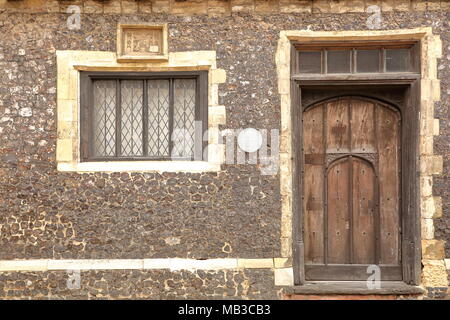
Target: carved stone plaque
{"x": 141, "y": 42}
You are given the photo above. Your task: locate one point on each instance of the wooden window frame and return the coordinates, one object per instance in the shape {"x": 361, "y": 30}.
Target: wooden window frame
{"x": 410, "y": 192}
{"x": 86, "y": 107}
{"x": 414, "y": 66}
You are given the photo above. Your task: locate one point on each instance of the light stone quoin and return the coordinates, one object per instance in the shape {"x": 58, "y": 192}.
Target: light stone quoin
{"x": 70, "y": 63}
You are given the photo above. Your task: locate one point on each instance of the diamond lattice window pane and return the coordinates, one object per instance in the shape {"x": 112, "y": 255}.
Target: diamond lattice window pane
{"x": 183, "y": 118}
{"x": 131, "y": 133}
{"x": 158, "y": 118}
{"x": 104, "y": 118}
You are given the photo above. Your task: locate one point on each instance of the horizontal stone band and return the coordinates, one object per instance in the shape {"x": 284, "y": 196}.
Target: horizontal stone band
{"x": 140, "y": 264}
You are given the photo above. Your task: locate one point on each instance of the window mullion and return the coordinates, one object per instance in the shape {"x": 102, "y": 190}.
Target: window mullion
{"x": 171, "y": 112}
{"x": 118, "y": 119}
{"x": 145, "y": 120}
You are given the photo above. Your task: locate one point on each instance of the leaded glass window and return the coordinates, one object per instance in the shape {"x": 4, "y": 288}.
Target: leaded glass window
{"x": 143, "y": 116}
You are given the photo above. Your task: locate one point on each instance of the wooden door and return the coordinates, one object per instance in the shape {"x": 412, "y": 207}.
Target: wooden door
{"x": 351, "y": 189}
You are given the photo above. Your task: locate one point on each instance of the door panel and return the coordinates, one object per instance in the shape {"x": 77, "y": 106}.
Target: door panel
{"x": 351, "y": 189}
{"x": 338, "y": 218}
{"x": 362, "y": 127}
{"x": 337, "y": 126}
{"x": 389, "y": 163}
{"x": 363, "y": 185}
{"x": 314, "y": 203}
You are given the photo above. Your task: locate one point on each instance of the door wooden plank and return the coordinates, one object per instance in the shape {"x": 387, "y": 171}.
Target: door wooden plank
{"x": 313, "y": 131}
{"x": 338, "y": 126}
{"x": 338, "y": 241}
{"x": 388, "y": 139}
{"x": 313, "y": 204}
{"x": 362, "y": 126}
{"x": 313, "y": 208}
{"x": 363, "y": 212}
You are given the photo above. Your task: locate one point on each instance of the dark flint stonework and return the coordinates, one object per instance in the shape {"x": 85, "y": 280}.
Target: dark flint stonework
{"x": 138, "y": 284}
{"x": 54, "y": 215}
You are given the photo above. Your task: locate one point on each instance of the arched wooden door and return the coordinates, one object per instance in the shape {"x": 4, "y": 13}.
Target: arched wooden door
{"x": 351, "y": 189}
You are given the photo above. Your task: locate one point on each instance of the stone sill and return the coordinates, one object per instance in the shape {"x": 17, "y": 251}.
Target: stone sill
{"x": 140, "y": 166}
{"x": 353, "y": 288}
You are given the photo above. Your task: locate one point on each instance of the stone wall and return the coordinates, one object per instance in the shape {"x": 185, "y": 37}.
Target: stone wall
{"x": 135, "y": 284}
{"x": 235, "y": 213}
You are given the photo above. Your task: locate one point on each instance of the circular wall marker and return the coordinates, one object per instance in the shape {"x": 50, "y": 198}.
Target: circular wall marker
{"x": 250, "y": 140}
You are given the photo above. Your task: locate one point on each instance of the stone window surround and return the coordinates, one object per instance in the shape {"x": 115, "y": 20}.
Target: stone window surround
{"x": 434, "y": 272}
{"x": 69, "y": 65}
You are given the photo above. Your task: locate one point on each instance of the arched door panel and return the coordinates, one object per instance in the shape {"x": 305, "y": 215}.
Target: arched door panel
{"x": 351, "y": 189}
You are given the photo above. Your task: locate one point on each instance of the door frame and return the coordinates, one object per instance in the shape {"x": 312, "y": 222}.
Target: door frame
{"x": 410, "y": 193}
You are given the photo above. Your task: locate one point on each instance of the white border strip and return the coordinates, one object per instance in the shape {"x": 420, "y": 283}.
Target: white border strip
{"x": 134, "y": 264}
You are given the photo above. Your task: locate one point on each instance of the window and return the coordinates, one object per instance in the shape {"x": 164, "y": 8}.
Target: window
{"x": 143, "y": 116}
{"x": 358, "y": 58}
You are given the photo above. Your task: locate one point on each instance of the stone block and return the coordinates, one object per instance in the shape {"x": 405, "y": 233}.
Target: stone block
{"x": 295, "y": 6}
{"x": 218, "y": 76}
{"x": 92, "y": 6}
{"x": 219, "y": 7}
{"x": 255, "y": 263}
{"x": 242, "y": 6}
{"x": 266, "y": 6}
{"x": 191, "y": 7}
{"x": 282, "y": 263}
{"x": 434, "y": 273}
{"x": 427, "y": 229}
{"x": 284, "y": 277}
{"x": 433, "y": 249}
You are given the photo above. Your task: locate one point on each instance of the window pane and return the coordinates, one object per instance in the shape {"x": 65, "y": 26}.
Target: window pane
{"x": 158, "y": 118}
{"x": 310, "y": 61}
{"x": 104, "y": 118}
{"x": 338, "y": 61}
{"x": 131, "y": 133}
{"x": 398, "y": 60}
{"x": 368, "y": 60}
{"x": 184, "y": 118}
